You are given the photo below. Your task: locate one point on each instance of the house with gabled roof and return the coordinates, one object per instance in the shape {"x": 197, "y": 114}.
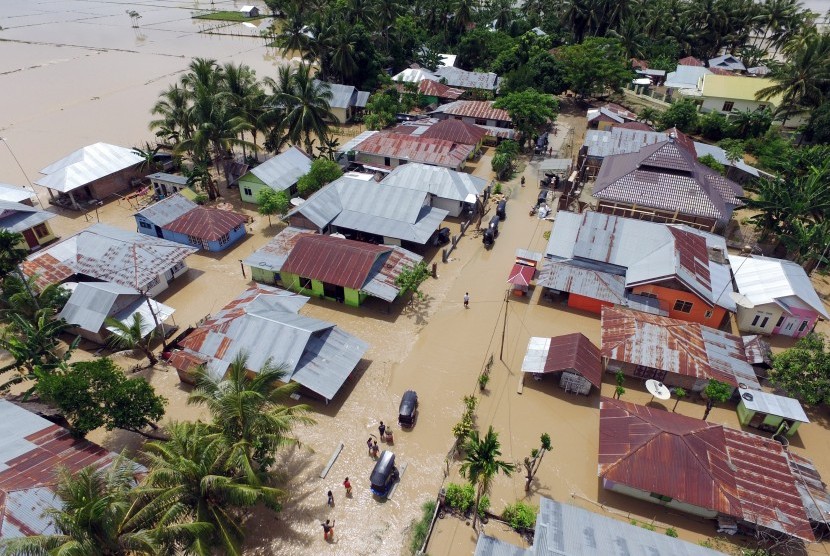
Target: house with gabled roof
{"x": 345, "y": 270}
{"x": 776, "y": 297}
{"x": 609, "y": 114}
{"x": 449, "y": 190}
{"x": 32, "y": 452}
{"x": 26, "y": 220}
{"x": 387, "y": 150}
{"x": 675, "y": 352}
{"x": 468, "y": 80}
{"x": 703, "y": 469}
{"x": 362, "y": 209}
{"x": 571, "y": 357}
{"x": 178, "y": 219}
{"x": 108, "y": 254}
{"x": 280, "y": 173}
{"x": 496, "y": 121}
{"x": 15, "y": 194}
{"x": 727, "y": 62}
{"x": 345, "y": 101}
{"x": 595, "y": 260}
{"x": 665, "y": 182}
{"x": 265, "y": 324}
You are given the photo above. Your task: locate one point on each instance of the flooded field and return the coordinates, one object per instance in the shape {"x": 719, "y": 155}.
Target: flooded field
{"x": 76, "y": 72}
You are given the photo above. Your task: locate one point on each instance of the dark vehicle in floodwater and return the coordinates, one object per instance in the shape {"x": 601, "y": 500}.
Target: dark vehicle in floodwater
{"x": 384, "y": 474}
{"x": 441, "y": 237}
{"x": 491, "y": 233}
{"x": 408, "y": 409}
{"x": 501, "y": 210}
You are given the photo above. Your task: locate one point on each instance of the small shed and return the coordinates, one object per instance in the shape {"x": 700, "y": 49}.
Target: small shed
{"x": 249, "y": 11}
{"x": 523, "y": 271}
{"x": 573, "y": 356}
{"x": 765, "y": 411}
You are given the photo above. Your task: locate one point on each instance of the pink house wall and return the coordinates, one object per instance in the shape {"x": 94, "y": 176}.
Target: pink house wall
{"x": 799, "y": 315}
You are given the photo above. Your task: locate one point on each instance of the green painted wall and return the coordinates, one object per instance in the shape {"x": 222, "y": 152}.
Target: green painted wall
{"x": 264, "y": 276}
{"x": 794, "y": 428}
{"x": 744, "y": 415}
{"x": 251, "y": 182}
{"x": 351, "y": 297}
{"x": 317, "y": 288}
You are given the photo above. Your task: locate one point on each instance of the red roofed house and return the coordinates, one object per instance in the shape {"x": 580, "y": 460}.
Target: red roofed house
{"x": 675, "y": 352}
{"x": 438, "y": 91}
{"x": 386, "y": 151}
{"x": 456, "y": 131}
{"x": 496, "y": 121}
{"x": 178, "y": 219}
{"x": 608, "y": 115}
{"x": 572, "y": 356}
{"x": 32, "y": 451}
{"x": 344, "y": 270}
{"x": 743, "y": 480}
{"x": 690, "y": 61}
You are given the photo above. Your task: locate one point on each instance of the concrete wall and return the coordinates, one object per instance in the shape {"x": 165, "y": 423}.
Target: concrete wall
{"x": 673, "y": 504}
{"x": 380, "y": 160}
{"x": 264, "y": 276}
{"x": 37, "y": 236}
{"x": 450, "y": 205}
{"x": 797, "y": 325}
{"x": 771, "y": 312}
{"x": 341, "y": 115}
{"x": 589, "y": 304}
{"x": 700, "y": 309}
{"x": 688, "y": 383}
{"x": 715, "y": 104}
{"x": 299, "y": 221}
{"x": 114, "y": 183}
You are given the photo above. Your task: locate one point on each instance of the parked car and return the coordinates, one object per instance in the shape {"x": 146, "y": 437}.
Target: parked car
{"x": 384, "y": 474}
{"x": 408, "y": 409}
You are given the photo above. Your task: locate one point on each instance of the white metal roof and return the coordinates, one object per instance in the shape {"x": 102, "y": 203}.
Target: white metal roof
{"x": 17, "y": 217}
{"x": 441, "y": 182}
{"x": 412, "y": 75}
{"x": 14, "y": 193}
{"x": 91, "y": 303}
{"x": 770, "y": 404}
{"x": 766, "y": 280}
{"x": 283, "y": 171}
{"x": 87, "y": 165}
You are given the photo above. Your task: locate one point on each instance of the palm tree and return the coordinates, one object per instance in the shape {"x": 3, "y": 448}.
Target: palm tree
{"x": 131, "y": 336}
{"x": 341, "y": 43}
{"x": 244, "y": 96}
{"x": 307, "y": 110}
{"x": 148, "y": 157}
{"x": 12, "y": 252}
{"x": 294, "y": 36}
{"x": 648, "y": 115}
{"x": 248, "y": 411}
{"x": 631, "y": 36}
{"x": 96, "y": 517}
{"x": 481, "y": 464}
{"x": 21, "y": 296}
{"x": 193, "y": 479}
{"x": 173, "y": 123}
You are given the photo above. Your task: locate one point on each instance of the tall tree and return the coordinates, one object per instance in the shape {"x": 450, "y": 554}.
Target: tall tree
{"x": 482, "y": 464}
{"x": 803, "y": 371}
{"x": 716, "y": 392}
{"x": 307, "y": 109}
{"x": 12, "y": 252}
{"x": 137, "y": 334}
{"x": 596, "y": 67}
{"x": 529, "y": 110}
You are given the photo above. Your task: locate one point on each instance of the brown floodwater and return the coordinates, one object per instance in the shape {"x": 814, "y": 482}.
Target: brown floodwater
{"x": 75, "y": 72}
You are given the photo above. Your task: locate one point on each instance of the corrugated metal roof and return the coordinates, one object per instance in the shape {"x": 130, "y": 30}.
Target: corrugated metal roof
{"x": 457, "y": 77}
{"x": 354, "y": 141}
{"x": 31, "y": 451}
{"x": 87, "y": 165}
{"x": 563, "y": 353}
{"x": 14, "y": 193}
{"x": 587, "y": 282}
{"x": 766, "y": 280}
{"x": 17, "y": 217}
{"x": 441, "y": 182}
{"x": 207, "y": 223}
{"x": 619, "y": 140}
{"x": 728, "y": 62}
{"x": 167, "y": 210}
{"x": 362, "y": 98}
{"x": 455, "y": 131}
{"x": 491, "y": 546}
{"x": 414, "y": 75}
{"x": 521, "y": 275}
{"x": 685, "y": 76}
{"x": 283, "y": 171}
{"x": 106, "y": 253}
{"x": 386, "y": 271}
{"x": 416, "y": 149}
{"x": 757, "y": 350}
{"x": 810, "y": 486}
{"x": 675, "y": 346}
{"x": 272, "y": 255}
{"x": 332, "y": 260}
{"x": 689, "y": 61}
{"x": 667, "y": 177}
{"x": 432, "y": 88}
{"x": 479, "y": 109}
{"x": 737, "y": 474}
{"x": 168, "y": 178}
{"x": 264, "y": 323}
{"x": 702, "y": 149}
{"x": 771, "y": 404}
{"x": 342, "y": 96}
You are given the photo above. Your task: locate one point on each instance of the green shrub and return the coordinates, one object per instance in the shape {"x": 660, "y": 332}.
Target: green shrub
{"x": 520, "y": 515}
{"x": 497, "y": 189}
{"x": 483, "y": 505}
{"x": 420, "y": 528}
{"x": 460, "y": 497}
{"x": 671, "y": 532}
{"x": 648, "y": 526}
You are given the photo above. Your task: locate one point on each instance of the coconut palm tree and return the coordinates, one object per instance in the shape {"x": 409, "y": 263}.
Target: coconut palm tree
{"x": 481, "y": 464}
{"x": 294, "y": 36}
{"x": 12, "y": 252}
{"x": 96, "y": 517}
{"x": 193, "y": 479}
{"x": 22, "y": 296}
{"x": 244, "y": 96}
{"x": 248, "y": 411}
{"x": 173, "y": 122}
{"x": 341, "y": 61}
{"x": 307, "y": 110}
{"x": 131, "y": 336}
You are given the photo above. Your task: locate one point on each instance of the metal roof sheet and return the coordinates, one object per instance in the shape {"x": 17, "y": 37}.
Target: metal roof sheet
{"x": 563, "y": 353}
{"x": 455, "y": 131}
{"x": 283, "y": 170}
{"x": 106, "y": 253}
{"x": 354, "y": 141}
{"x": 168, "y": 178}
{"x": 332, "y": 260}
{"x": 92, "y": 302}
{"x": 521, "y": 275}
{"x": 702, "y": 149}
{"x": 87, "y": 165}
{"x": 264, "y": 324}
{"x": 737, "y": 474}
{"x": 272, "y": 255}
{"x": 414, "y": 75}
{"x": 457, "y": 77}
{"x": 685, "y": 76}
{"x": 689, "y": 61}
{"x": 416, "y": 149}
{"x": 342, "y": 96}
{"x": 167, "y": 210}
{"x": 207, "y": 223}
{"x": 587, "y": 282}
{"x": 441, "y": 182}
{"x": 810, "y": 486}
{"x": 431, "y": 88}
{"x": 14, "y": 193}
{"x": 767, "y": 280}
{"x": 727, "y": 61}
{"x": 17, "y": 217}
{"x": 771, "y": 404}
{"x": 383, "y": 276}
{"x": 675, "y": 346}
{"x": 491, "y": 546}
{"x": 619, "y": 140}
{"x": 758, "y": 350}
{"x": 479, "y": 109}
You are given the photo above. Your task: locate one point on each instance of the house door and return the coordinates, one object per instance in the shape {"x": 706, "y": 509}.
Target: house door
{"x": 30, "y": 238}
{"x": 790, "y": 326}
{"x": 159, "y": 233}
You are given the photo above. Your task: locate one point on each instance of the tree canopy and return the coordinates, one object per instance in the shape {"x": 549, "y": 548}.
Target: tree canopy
{"x": 596, "y": 67}
{"x": 803, "y": 371}
{"x": 529, "y": 110}
{"x": 322, "y": 171}
{"x": 272, "y": 202}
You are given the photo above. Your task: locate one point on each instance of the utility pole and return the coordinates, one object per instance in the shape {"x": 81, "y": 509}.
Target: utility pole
{"x": 504, "y": 325}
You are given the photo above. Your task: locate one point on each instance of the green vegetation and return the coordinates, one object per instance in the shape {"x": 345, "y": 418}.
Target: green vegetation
{"x": 460, "y": 497}
{"x": 228, "y": 16}
{"x": 482, "y": 464}
{"x": 520, "y": 516}
{"x": 529, "y": 110}
{"x": 503, "y": 162}
{"x": 465, "y": 426}
{"x": 322, "y": 171}
{"x": 411, "y": 278}
{"x": 671, "y": 532}
{"x": 272, "y": 202}
{"x": 803, "y": 371}
{"x": 682, "y": 114}
{"x": 716, "y": 392}
{"x": 619, "y": 390}
{"x": 679, "y": 393}
{"x": 533, "y": 462}
{"x": 420, "y": 528}
{"x": 131, "y": 335}
{"x": 596, "y": 67}
{"x": 711, "y": 162}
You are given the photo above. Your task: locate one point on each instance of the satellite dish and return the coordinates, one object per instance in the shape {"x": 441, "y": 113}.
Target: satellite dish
{"x": 741, "y": 300}
{"x": 747, "y": 396}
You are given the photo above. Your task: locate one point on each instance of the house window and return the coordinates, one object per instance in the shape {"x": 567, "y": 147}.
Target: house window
{"x": 780, "y": 322}
{"x": 682, "y": 306}
{"x": 803, "y": 326}
{"x": 194, "y": 241}
{"x": 661, "y": 497}
{"x": 305, "y": 283}
{"x": 728, "y": 106}
{"x": 481, "y": 122}
{"x": 387, "y": 162}
{"x": 755, "y": 320}
{"x": 224, "y": 239}
{"x": 707, "y": 315}
{"x": 248, "y": 192}
{"x": 41, "y": 231}
{"x": 152, "y": 283}
{"x": 764, "y": 322}
{"x": 144, "y": 224}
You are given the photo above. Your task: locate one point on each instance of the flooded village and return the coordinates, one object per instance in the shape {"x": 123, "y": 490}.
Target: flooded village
{"x": 593, "y": 295}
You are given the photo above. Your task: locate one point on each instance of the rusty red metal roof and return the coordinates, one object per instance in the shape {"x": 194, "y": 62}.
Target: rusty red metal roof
{"x": 416, "y": 149}
{"x": 521, "y": 275}
{"x": 640, "y": 126}
{"x": 342, "y": 262}
{"x": 690, "y": 61}
{"x": 480, "y": 109}
{"x": 575, "y": 351}
{"x": 734, "y": 473}
{"x": 675, "y": 346}
{"x": 455, "y": 131}
{"x": 432, "y": 88}
{"x": 207, "y": 223}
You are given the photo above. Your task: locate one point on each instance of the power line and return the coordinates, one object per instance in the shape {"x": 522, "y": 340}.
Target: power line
{"x": 25, "y": 175}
